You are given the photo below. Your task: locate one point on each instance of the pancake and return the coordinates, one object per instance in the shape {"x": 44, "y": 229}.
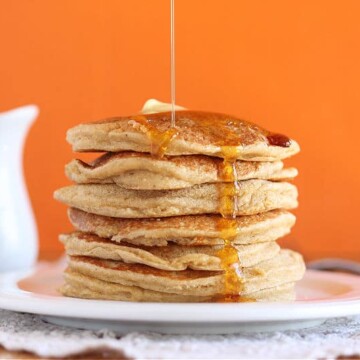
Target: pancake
{"x": 81, "y": 286}
{"x": 196, "y": 132}
{"x": 253, "y": 196}
{"x": 184, "y": 230}
{"x": 286, "y": 267}
{"x": 145, "y": 172}
{"x": 171, "y": 257}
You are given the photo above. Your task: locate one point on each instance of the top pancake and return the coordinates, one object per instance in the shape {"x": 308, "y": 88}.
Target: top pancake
{"x": 197, "y": 132}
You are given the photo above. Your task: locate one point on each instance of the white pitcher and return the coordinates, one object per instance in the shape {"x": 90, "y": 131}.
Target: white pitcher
{"x": 18, "y": 233}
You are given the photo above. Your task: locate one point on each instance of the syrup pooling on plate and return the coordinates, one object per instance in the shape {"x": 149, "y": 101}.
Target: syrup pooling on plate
{"x": 228, "y": 226}
{"x": 159, "y": 141}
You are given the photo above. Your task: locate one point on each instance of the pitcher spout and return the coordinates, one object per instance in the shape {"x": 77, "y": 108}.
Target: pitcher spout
{"x": 18, "y": 121}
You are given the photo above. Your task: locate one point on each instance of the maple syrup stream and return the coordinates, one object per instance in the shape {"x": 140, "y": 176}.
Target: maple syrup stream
{"x": 227, "y": 225}
{"x": 172, "y": 61}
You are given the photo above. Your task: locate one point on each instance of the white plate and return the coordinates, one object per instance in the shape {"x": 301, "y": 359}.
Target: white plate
{"x": 320, "y": 295}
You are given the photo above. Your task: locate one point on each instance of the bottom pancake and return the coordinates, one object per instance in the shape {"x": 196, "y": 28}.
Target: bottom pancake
{"x": 81, "y": 286}
{"x": 288, "y": 266}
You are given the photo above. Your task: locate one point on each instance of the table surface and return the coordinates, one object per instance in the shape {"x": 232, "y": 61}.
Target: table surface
{"x": 4, "y": 354}
{"x": 19, "y": 355}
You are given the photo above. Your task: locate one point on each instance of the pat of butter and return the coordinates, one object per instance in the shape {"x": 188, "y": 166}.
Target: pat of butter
{"x": 152, "y": 106}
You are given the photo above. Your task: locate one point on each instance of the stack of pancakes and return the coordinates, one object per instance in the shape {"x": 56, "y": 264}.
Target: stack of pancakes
{"x": 184, "y": 214}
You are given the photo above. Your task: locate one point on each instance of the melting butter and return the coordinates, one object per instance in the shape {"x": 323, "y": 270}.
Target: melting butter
{"x": 152, "y": 106}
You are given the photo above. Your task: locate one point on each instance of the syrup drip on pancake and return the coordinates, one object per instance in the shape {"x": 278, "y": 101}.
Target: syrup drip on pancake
{"x": 278, "y": 140}
{"x": 159, "y": 140}
{"x": 209, "y": 128}
{"x": 229, "y": 189}
{"x": 228, "y": 227}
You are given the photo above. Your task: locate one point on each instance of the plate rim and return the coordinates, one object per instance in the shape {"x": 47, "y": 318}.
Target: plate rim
{"x": 15, "y": 299}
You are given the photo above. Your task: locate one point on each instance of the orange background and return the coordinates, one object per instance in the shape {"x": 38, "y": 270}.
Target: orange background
{"x": 291, "y": 66}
